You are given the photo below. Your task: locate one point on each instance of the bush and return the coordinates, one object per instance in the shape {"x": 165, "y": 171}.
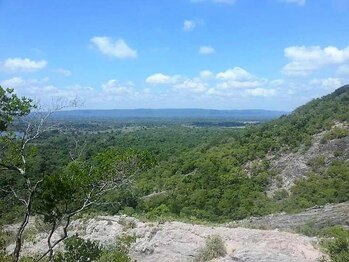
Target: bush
{"x": 338, "y": 249}
{"x": 118, "y": 253}
{"x": 214, "y": 248}
{"x": 3, "y": 255}
{"x": 335, "y": 133}
{"x": 79, "y": 250}
{"x": 309, "y": 230}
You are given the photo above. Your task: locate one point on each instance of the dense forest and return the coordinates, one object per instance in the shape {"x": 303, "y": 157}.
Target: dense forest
{"x": 176, "y": 170}
{"x": 199, "y": 173}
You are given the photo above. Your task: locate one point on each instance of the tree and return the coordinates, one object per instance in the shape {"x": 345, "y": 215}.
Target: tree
{"x": 82, "y": 184}
{"x": 70, "y": 189}
{"x": 17, "y": 148}
{"x": 11, "y": 107}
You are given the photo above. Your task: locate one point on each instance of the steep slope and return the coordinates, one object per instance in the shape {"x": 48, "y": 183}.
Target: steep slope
{"x": 230, "y": 179}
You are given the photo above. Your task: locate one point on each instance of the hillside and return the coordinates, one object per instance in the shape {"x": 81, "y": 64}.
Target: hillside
{"x": 229, "y": 179}
{"x": 258, "y": 177}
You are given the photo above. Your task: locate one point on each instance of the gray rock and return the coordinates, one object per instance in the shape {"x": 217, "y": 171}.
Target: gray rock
{"x": 176, "y": 241}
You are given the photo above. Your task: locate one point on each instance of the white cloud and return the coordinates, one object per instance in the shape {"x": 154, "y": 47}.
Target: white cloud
{"x": 327, "y": 83}
{"x": 238, "y": 77}
{"x": 192, "y": 85}
{"x": 189, "y": 25}
{"x": 23, "y": 64}
{"x": 113, "y": 87}
{"x": 260, "y": 92}
{"x": 298, "y": 2}
{"x": 114, "y": 48}
{"x": 304, "y": 60}
{"x": 206, "y": 50}
{"x": 13, "y": 82}
{"x": 62, "y": 71}
{"x": 229, "y": 2}
{"x": 236, "y": 73}
{"x": 161, "y": 79}
{"x": 233, "y": 84}
{"x": 42, "y": 91}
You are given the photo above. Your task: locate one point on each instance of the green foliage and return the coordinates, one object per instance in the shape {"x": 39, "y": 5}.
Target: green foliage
{"x": 331, "y": 186}
{"x": 11, "y": 106}
{"x": 317, "y": 163}
{"x": 214, "y": 248}
{"x": 335, "y": 133}
{"x": 3, "y": 254}
{"x": 114, "y": 256}
{"x": 214, "y": 174}
{"x": 337, "y": 247}
{"x": 77, "y": 249}
{"x": 119, "y": 252}
{"x": 309, "y": 230}
{"x": 209, "y": 182}
{"x": 335, "y": 240}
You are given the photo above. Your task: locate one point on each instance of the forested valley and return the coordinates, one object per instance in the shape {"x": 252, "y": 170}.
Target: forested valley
{"x": 165, "y": 170}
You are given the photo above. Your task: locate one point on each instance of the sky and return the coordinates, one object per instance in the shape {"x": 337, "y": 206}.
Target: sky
{"x": 219, "y": 54}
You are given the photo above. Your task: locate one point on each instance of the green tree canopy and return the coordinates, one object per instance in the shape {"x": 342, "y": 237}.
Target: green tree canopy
{"x": 12, "y": 106}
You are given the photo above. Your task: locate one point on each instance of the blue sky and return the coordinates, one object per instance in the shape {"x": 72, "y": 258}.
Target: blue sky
{"x": 224, "y": 54}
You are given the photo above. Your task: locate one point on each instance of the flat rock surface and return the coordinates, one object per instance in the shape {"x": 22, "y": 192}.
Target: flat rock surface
{"x": 177, "y": 241}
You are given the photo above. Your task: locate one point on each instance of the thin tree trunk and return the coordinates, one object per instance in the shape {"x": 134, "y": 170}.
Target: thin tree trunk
{"x": 17, "y": 251}
{"x": 52, "y": 246}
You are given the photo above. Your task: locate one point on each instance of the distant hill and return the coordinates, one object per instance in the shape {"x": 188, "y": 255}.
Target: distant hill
{"x": 251, "y": 114}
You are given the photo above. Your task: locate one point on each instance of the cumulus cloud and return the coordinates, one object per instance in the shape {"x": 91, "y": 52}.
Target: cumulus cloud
{"x": 206, "y": 50}
{"x": 239, "y": 78}
{"x": 236, "y": 73}
{"x": 298, "y": 2}
{"x": 113, "y": 87}
{"x": 305, "y": 60}
{"x": 23, "y": 64}
{"x": 192, "y": 85}
{"x": 160, "y": 79}
{"x": 14, "y": 82}
{"x": 115, "y": 48}
{"x": 44, "y": 92}
{"x": 101, "y": 96}
{"x": 189, "y": 25}
{"x": 232, "y": 82}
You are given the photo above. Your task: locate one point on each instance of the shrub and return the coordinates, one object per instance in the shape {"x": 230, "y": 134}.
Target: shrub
{"x": 308, "y": 229}
{"x": 335, "y": 133}
{"x": 79, "y": 250}
{"x": 3, "y": 255}
{"x": 338, "y": 249}
{"x": 214, "y": 248}
{"x": 118, "y": 253}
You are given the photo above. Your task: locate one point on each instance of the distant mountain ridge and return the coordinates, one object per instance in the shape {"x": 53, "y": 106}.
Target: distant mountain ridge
{"x": 249, "y": 114}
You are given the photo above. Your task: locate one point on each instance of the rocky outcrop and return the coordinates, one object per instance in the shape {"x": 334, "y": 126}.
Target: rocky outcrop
{"x": 291, "y": 166}
{"x": 319, "y": 217}
{"x": 176, "y": 241}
